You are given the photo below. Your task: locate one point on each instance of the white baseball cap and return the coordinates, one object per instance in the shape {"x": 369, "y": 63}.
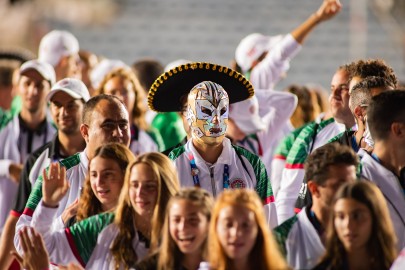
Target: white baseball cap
{"x": 55, "y": 45}
{"x": 104, "y": 67}
{"x": 43, "y": 68}
{"x": 73, "y": 87}
{"x": 252, "y": 47}
{"x": 246, "y": 116}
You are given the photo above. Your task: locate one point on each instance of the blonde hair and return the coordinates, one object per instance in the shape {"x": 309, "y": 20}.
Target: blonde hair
{"x": 89, "y": 205}
{"x": 168, "y": 184}
{"x": 305, "y": 110}
{"x": 139, "y": 110}
{"x": 169, "y": 254}
{"x": 264, "y": 254}
{"x": 382, "y": 241}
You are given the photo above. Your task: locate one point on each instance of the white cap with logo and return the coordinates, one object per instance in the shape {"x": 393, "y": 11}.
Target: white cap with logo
{"x": 43, "y": 68}
{"x": 57, "y": 44}
{"x": 73, "y": 87}
{"x": 252, "y": 47}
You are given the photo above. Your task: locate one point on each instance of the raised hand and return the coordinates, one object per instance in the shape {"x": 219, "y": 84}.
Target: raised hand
{"x": 35, "y": 255}
{"x": 55, "y": 185}
{"x": 328, "y": 9}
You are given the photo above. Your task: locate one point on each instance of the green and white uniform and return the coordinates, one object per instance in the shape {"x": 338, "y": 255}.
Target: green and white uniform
{"x": 246, "y": 170}
{"x": 87, "y": 242}
{"x": 310, "y": 138}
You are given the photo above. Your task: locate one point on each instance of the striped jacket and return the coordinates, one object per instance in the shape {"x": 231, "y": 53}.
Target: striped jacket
{"x": 76, "y": 170}
{"x": 310, "y": 138}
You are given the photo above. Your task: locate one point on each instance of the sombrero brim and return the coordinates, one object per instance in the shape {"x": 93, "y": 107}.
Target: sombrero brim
{"x": 166, "y": 92}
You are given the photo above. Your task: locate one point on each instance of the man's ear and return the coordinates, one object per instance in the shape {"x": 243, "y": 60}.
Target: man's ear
{"x": 84, "y": 130}
{"x": 313, "y": 188}
{"x": 398, "y": 129}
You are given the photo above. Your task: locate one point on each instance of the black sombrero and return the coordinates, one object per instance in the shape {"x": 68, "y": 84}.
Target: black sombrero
{"x": 166, "y": 92}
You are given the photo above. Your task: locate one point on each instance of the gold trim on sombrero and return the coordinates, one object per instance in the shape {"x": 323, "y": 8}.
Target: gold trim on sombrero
{"x": 234, "y": 75}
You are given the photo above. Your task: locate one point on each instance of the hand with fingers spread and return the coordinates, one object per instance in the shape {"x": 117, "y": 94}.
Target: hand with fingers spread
{"x": 35, "y": 255}
{"x": 55, "y": 185}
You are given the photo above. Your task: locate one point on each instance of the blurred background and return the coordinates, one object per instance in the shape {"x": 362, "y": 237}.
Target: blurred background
{"x": 210, "y": 30}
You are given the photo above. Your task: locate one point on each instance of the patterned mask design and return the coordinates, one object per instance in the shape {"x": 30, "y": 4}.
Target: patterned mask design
{"x": 207, "y": 112}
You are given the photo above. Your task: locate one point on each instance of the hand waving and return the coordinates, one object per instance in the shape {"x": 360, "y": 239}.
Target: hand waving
{"x": 35, "y": 255}
{"x": 55, "y": 185}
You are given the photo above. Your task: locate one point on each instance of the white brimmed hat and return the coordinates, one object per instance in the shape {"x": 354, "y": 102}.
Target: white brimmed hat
{"x": 246, "y": 116}
{"x": 57, "y": 44}
{"x": 43, "y": 68}
{"x": 73, "y": 87}
{"x": 252, "y": 47}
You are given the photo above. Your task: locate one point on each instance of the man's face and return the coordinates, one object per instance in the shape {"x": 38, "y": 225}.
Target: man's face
{"x": 66, "y": 112}
{"x": 109, "y": 123}
{"x": 337, "y": 176}
{"x": 69, "y": 67}
{"x": 207, "y": 112}
{"x": 339, "y": 96}
{"x": 33, "y": 90}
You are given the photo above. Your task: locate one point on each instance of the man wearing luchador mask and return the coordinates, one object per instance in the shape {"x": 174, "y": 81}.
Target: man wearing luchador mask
{"x": 208, "y": 159}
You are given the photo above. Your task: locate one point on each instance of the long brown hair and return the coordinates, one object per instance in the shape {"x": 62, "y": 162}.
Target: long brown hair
{"x": 170, "y": 255}
{"x": 264, "y": 254}
{"x": 139, "y": 110}
{"x": 382, "y": 243}
{"x": 88, "y": 204}
{"x": 168, "y": 184}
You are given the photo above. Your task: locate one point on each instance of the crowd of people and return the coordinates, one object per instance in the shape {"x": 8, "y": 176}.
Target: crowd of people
{"x": 198, "y": 165}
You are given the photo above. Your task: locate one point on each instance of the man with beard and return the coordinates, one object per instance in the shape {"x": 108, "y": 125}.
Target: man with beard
{"x": 208, "y": 159}
{"x": 310, "y": 138}
{"x": 67, "y": 99}
{"x": 105, "y": 119}
{"x": 26, "y": 132}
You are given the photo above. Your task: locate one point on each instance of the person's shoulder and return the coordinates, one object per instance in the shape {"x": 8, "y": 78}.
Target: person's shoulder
{"x": 177, "y": 152}
{"x": 41, "y": 149}
{"x": 71, "y": 161}
{"x": 284, "y": 228}
{"x": 241, "y": 151}
{"x": 8, "y": 124}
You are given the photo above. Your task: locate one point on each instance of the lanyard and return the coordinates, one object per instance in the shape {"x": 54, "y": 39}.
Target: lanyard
{"x": 195, "y": 171}
{"x": 355, "y": 145}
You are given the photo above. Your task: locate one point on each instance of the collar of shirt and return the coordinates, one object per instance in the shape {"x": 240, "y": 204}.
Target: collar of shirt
{"x": 224, "y": 158}
{"x": 41, "y": 129}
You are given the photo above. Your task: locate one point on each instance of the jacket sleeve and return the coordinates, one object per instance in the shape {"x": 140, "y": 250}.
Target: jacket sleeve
{"x": 269, "y": 71}
{"x": 55, "y": 241}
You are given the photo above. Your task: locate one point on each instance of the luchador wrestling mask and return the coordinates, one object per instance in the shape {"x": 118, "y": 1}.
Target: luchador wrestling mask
{"x": 207, "y": 112}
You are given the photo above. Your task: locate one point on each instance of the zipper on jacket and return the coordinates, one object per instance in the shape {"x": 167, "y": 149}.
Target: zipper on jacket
{"x": 214, "y": 189}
